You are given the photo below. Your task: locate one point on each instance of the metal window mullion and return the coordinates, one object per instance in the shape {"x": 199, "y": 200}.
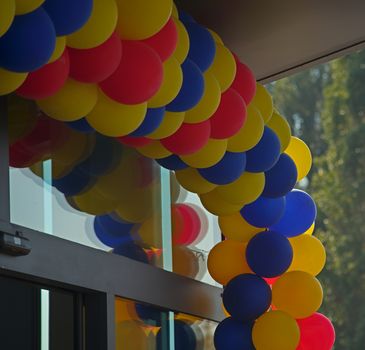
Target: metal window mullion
{"x": 4, "y": 162}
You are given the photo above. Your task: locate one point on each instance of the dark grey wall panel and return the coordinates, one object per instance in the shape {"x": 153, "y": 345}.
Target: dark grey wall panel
{"x": 66, "y": 264}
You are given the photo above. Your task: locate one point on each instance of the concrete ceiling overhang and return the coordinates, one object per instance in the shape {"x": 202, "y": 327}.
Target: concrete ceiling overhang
{"x": 279, "y": 37}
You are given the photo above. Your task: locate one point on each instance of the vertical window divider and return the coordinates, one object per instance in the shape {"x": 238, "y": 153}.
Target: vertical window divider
{"x": 4, "y": 162}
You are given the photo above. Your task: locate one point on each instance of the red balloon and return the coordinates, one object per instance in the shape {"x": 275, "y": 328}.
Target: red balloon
{"x": 47, "y": 80}
{"x": 138, "y": 76}
{"x": 164, "y": 42}
{"x": 244, "y": 82}
{"x": 188, "y": 227}
{"x": 230, "y": 115}
{"x": 38, "y": 143}
{"x": 316, "y": 333}
{"x": 271, "y": 281}
{"x": 96, "y": 64}
{"x": 189, "y": 138}
{"x": 134, "y": 141}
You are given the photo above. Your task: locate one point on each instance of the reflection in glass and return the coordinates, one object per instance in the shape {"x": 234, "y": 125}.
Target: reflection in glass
{"x": 70, "y": 181}
{"x": 142, "y": 327}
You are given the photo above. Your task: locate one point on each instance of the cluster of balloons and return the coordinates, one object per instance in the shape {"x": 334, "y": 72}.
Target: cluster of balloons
{"x": 269, "y": 258}
{"x": 140, "y": 73}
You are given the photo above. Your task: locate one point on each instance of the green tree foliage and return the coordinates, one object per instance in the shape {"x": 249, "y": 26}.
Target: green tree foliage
{"x": 326, "y": 108}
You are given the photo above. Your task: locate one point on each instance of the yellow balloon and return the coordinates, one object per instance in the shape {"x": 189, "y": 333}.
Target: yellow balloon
{"x": 175, "y": 12}
{"x": 22, "y": 116}
{"x": 171, "y": 84}
{"x": 226, "y": 313}
{"x": 98, "y": 28}
{"x": 310, "y": 230}
{"x": 235, "y": 227}
{"x": 281, "y": 127}
{"x": 93, "y": 203}
{"x": 140, "y": 19}
{"x": 183, "y": 41}
{"x": 59, "y": 48}
{"x": 26, "y": 6}
{"x": 69, "y": 153}
{"x": 209, "y": 102}
{"x": 309, "y": 254}
{"x": 263, "y": 102}
{"x": 207, "y": 156}
{"x": 223, "y": 67}
{"x": 246, "y": 189}
{"x": 216, "y": 205}
{"x": 275, "y": 330}
{"x": 136, "y": 207}
{"x": 112, "y": 118}
{"x": 7, "y": 13}
{"x": 130, "y": 335}
{"x": 301, "y": 155}
{"x": 216, "y": 37}
{"x": 297, "y": 293}
{"x": 124, "y": 310}
{"x": 226, "y": 260}
{"x": 74, "y": 101}
{"x": 154, "y": 150}
{"x": 126, "y": 178}
{"x": 10, "y": 81}
{"x": 175, "y": 188}
{"x": 250, "y": 134}
{"x": 170, "y": 123}
{"x": 184, "y": 261}
{"x": 150, "y": 231}
{"x": 192, "y": 181}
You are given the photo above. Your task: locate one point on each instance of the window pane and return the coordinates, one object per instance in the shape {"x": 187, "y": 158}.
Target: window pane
{"x": 36, "y": 319}
{"x": 71, "y": 182}
{"x": 144, "y": 327}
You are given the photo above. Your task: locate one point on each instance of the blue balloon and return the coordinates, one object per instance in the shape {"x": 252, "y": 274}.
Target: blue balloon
{"x": 151, "y": 122}
{"x": 264, "y": 212}
{"x": 68, "y": 16}
{"x": 74, "y": 183}
{"x": 246, "y": 297}
{"x": 110, "y": 235}
{"x": 269, "y": 254}
{"x": 29, "y": 42}
{"x": 172, "y": 162}
{"x": 103, "y": 158}
{"x": 81, "y": 125}
{"x": 185, "y": 17}
{"x": 185, "y": 338}
{"x": 300, "y": 213}
{"x": 192, "y": 88}
{"x": 150, "y": 315}
{"x": 281, "y": 178}
{"x": 265, "y": 154}
{"x": 227, "y": 170}
{"x": 235, "y": 335}
{"x": 132, "y": 251}
{"x": 202, "y": 45}
{"x": 112, "y": 226}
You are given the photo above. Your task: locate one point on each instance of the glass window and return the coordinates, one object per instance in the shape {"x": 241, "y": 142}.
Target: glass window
{"x": 144, "y": 327}
{"x": 69, "y": 181}
{"x": 34, "y": 318}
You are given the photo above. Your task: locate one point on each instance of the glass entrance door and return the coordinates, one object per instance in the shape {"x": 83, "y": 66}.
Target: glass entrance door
{"x": 35, "y": 318}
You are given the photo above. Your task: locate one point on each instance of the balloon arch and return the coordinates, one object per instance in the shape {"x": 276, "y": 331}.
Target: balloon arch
{"x": 153, "y": 78}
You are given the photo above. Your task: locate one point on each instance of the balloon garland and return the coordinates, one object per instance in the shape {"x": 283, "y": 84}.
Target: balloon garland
{"x": 161, "y": 83}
